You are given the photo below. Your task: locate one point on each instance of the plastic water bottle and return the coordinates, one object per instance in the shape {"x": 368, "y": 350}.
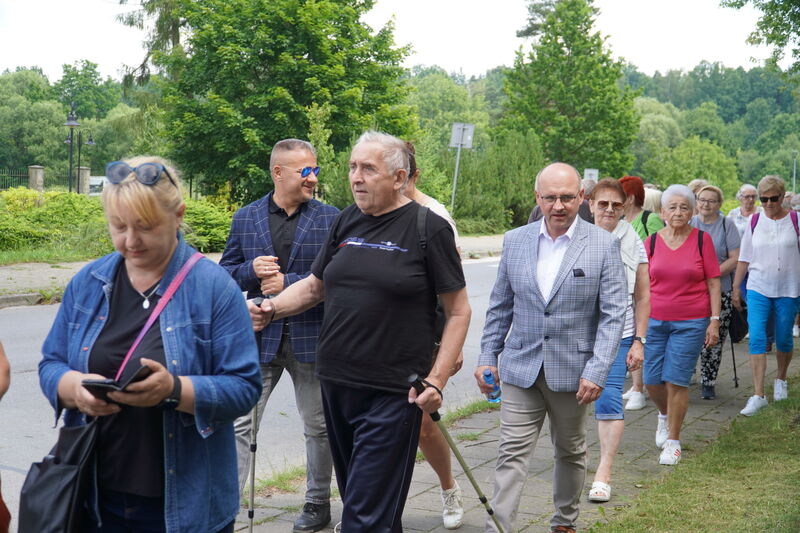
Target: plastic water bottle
{"x": 494, "y": 396}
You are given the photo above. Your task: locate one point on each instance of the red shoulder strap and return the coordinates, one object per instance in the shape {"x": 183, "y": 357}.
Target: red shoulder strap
{"x": 753, "y": 222}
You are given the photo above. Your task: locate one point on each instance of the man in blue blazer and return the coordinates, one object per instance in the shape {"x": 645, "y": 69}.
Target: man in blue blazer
{"x": 553, "y": 327}
{"x": 271, "y": 245}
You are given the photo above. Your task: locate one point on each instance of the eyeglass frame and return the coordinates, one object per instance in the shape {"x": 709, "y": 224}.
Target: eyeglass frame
{"x": 615, "y": 206}
{"x": 114, "y": 179}
{"x": 565, "y": 199}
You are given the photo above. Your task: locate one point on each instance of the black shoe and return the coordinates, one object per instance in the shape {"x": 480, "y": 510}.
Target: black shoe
{"x": 313, "y": 518}
{"x": 707, "y": 392}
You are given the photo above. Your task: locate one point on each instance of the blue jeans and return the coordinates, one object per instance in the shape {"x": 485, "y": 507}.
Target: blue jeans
{"x": 672, "y": 350}
{"x": 760, "y": 309}
{"x": 609, "y": 405}
{"x": 129, "y": 513}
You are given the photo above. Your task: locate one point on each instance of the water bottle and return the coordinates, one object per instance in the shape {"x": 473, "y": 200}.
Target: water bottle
{"x": 494, "y": 396}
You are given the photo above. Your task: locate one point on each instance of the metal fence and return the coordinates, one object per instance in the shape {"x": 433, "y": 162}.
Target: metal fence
{"x": 53, "y": 181}
{"x": 13, "y": 178}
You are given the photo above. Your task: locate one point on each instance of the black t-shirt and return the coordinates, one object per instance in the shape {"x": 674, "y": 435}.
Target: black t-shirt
{"x": 282, "y": 228}
{"x": 380, "y": 296}
{"x": 130, "y": 446}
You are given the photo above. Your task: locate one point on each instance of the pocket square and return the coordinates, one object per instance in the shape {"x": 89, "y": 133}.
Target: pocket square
{"x": 578, "y": 273}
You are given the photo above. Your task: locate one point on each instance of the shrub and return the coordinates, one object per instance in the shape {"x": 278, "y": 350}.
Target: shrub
{"x": 15, "y": 233}
{"x": 18, "y": 200}
{"x": 207, "y": 225}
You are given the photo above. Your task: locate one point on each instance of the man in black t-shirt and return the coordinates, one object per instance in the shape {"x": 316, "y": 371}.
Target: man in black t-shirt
{"x": 380, "y": 289}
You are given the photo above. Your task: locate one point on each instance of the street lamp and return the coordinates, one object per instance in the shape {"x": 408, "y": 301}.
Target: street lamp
{"x": 71, "y": 123}
{"x": 90, "y": 142}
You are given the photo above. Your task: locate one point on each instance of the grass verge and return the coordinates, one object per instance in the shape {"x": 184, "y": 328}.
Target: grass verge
{"x": 286, "y": 481}
{"x": 748, "y": 480}
{"x": 52, "y": 254}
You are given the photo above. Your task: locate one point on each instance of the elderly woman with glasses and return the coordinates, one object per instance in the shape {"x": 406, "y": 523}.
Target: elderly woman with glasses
{"x": 684, "y": 313}
{"x": 740, "y": 216}
{"x": 607, "y": 202}
{"x": 770, "y": 256}
{"x": 726, "y": 245}
{"x": 165, "y": 452}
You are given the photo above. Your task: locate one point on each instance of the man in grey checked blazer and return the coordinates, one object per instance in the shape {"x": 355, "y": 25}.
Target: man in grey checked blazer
{"x": 553, "y": 327}
{"x": 271, "y": 245}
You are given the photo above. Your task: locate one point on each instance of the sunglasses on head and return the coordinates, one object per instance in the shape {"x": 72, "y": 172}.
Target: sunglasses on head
{"x": 146, "y": 173}
{"x": 305, "y": 171}
{"x": 773, "y": 199}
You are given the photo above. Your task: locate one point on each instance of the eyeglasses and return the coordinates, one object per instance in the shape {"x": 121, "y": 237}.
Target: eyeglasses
{"x": 748, "y": 197}
{"x": 773, "y": 199}
{"x": 604, "y": 204}
{"x": 565, "y": 199}
{"x": 305, "y": 171}
{"x": 146, "y": 173}
{"x": 707, "y": 201}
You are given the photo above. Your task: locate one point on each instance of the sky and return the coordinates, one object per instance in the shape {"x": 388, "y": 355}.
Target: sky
{"x": 467, "y": 36}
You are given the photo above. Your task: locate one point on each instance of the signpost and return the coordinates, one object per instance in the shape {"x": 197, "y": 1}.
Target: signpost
{"x": 460, "y": 137}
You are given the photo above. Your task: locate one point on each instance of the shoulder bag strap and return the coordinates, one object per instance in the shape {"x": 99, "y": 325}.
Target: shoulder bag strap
{"x": 176, "y": 282}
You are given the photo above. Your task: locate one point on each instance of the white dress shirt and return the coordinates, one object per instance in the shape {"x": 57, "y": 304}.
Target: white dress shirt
{"x": 551, "y": 253}
{"x": 774, "y": 260}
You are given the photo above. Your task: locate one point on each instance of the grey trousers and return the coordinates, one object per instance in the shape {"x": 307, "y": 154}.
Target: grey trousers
{"x": 319, "y": 464}
{"x": 522, "y": 416}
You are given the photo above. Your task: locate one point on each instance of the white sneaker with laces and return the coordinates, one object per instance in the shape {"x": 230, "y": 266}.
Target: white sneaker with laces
{"x": 627, "y": 394}
{"x": 781, "y": 390}
{"x": 670, "y": 455}
{"x": 662, "y": 432}
{"x": 754, "y": 405}
{"x": 452, "y": 507}
{"x": 637, "y": 401}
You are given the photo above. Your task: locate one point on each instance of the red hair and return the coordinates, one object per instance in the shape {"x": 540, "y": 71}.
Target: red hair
{"x": 633, "y": 186}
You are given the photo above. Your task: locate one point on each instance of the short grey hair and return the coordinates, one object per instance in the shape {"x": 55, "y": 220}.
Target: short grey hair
{"x": 771, "y": 181}
{"x": 678, "y": 190}
{"x": 290, "y": 145}
{"x": 395, "y": 151}
{"x": 743, "y": 189}
{"x": 587, "y": 184}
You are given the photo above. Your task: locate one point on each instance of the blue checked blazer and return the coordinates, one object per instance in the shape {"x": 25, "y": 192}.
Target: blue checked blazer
{"x": 576, "y": 333}
{"x": 250, "y": 238}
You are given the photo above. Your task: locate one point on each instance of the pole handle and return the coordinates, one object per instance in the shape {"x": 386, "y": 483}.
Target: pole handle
{"x": 416, "y": 382}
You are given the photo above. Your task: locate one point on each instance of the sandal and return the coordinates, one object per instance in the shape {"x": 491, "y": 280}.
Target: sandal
{"x": 600, "y": 492}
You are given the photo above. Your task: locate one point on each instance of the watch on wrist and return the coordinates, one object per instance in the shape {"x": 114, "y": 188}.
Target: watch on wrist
{"x": 174, "y": 398}
{"x": 643, "y": 340}
{"x": 715, "y": 317}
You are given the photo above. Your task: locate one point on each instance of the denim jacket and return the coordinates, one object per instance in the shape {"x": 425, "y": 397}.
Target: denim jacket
{"x": 208, "y": 337}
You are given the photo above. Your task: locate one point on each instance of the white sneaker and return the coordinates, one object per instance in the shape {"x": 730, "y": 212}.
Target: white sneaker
{"x": 627, "y": 394}
{"x": 662, "y": 432}
{"x": 636, "y": 401}
{"x": 781, "y": 390}
{"x": 670, "y": 455}
{"x": 452, "y": 507}
{"x": 337, "y": 528}
{"x": 754, "y": 405}
{"x": 795, "y": 331}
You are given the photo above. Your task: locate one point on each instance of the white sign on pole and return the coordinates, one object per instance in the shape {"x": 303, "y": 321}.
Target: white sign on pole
{"x": 461, "y": 136}
{"x": 591, "y": 174}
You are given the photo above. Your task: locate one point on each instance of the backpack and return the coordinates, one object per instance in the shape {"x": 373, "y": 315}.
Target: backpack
{"x": 792, "y": 215}
{"x": 652, "y": 243}
{"x": 422, "y": 232}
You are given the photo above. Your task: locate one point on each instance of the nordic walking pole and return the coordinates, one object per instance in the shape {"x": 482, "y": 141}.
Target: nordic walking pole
{"x": 251, "y": 510}
{"x": 733, "y": 358}
{"x": 416, "y": 382}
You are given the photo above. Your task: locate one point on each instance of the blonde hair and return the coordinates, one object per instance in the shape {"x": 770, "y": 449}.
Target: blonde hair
{"x": 151, "y": 203}
{"x": 771, "y": 181}
{"x": 652, "y": 200}
{"x": 696, "y": 184}
{"x": 712, "y": 188}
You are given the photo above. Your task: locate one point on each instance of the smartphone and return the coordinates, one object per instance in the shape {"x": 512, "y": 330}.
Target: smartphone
{"x": 99, "y": 388}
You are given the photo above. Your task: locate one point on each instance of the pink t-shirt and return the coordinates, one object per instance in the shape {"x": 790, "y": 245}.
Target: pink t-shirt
{"x": 678, "y": 289}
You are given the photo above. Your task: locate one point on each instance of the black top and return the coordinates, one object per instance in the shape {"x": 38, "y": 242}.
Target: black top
{"x": 130, "y": 446}
{"x": 282, "y": 228}
{"x": 380, "y": 296}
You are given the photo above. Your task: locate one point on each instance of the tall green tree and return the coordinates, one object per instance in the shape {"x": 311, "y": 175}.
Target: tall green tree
{"x": 164, "y": 36}
{"x": 252, "y": 68}
{"x": 81, "y": 83}
{"x": 538, "y": 10}
{"x": 566, "y": 90}
{"x": 694, "y": 158}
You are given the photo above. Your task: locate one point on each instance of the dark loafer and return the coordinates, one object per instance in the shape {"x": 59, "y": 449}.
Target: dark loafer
{"x": 562, "y": 529}
{"x": 313, "y": 518}
{"x": 707, "y": 392}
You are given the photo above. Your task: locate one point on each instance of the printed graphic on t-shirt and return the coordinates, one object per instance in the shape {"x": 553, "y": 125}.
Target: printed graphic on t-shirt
{"x": 382, "y": 245}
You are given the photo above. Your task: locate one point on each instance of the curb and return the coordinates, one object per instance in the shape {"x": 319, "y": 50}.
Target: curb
{"x": 11, "y": 300}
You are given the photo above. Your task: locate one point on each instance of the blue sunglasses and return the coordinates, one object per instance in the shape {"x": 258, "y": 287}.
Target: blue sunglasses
{"x": 146, "y": 173}
{"x": 305, "y": 171}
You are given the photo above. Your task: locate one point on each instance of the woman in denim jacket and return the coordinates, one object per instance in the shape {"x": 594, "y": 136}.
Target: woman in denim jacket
{"x": 165, "y": 455}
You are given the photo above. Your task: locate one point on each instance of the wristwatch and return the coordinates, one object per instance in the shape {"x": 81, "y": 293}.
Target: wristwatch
{"x": 174, "y": 398}
{"x": 643, "y": 340}
{"x": 715, "y": 317}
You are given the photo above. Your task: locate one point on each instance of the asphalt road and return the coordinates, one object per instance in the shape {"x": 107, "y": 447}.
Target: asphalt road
{"x": 27, "y": 421}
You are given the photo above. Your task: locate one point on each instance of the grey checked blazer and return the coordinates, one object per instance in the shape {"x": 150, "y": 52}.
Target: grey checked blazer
{"x": 574, "y": 335}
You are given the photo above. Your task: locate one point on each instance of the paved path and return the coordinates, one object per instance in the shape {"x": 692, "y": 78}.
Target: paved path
{"x": 26, "y": 283}
{"x": 635, "y": 469}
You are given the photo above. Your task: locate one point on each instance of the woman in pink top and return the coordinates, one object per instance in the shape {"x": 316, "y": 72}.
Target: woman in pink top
{"x": 684, "y": 315}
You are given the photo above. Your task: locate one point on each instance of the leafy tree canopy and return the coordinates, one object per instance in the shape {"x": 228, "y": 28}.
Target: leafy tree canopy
{"x": 251, "y": 70}
{"x": 82, "y": 84}
{"x": 566, "y": 90}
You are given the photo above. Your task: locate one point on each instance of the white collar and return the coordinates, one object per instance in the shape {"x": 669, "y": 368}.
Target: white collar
{"x": 570, "y": 231}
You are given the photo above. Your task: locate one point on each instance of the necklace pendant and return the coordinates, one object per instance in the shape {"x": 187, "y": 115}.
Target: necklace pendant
{"x": 146, "y": 304}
